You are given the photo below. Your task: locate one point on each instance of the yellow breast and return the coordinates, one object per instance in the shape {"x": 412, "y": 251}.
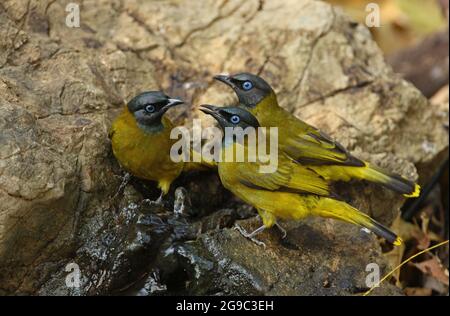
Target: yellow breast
{"x": 145, "y": 155}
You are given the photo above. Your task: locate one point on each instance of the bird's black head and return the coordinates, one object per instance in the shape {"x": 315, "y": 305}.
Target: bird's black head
{"x": 149, "y": 107}
{"x": 250, "y": 89}
{"x": 231, "y": 116}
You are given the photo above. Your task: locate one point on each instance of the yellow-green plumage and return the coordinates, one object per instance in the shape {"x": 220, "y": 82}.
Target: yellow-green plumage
{"x": 310, "y": 147}
{"x": 142, "y": 153}
{"x": 290, "y": 193}
{"x": 305, "y": 147}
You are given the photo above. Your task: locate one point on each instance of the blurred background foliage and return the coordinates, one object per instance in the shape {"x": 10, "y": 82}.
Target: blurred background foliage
{"x": 403, "y": 22}
{"x": 414, "y": 37}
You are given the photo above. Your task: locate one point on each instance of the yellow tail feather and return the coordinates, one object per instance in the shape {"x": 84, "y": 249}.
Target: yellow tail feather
{"x": 416, "y": 192}
{"x": 327, "y": 207}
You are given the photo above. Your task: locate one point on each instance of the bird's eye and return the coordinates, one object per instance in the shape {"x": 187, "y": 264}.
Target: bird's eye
{"x": 235, "y": 119}
{"x": 150, "y": 108}
{"x": 247, "y": 85}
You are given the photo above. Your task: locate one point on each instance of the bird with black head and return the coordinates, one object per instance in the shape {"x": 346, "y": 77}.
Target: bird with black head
{"x": 291, "y": 192}
{"x": 306, "y": 144}
{"x": 140, "y": 138}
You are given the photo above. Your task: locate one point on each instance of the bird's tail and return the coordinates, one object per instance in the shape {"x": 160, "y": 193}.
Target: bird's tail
{"x": 391, "y": 181}
{"x": 331, "y": 208}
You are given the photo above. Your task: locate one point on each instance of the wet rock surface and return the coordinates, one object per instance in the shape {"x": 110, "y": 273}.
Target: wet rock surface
{"x": 60, "y": 88}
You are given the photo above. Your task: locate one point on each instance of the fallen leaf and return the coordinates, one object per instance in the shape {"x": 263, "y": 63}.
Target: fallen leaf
{"x": 433, "y": 268}
{"x": 431, "y": 283}
{"x": 418, "y": 291}
{"x": 395, "y": 256}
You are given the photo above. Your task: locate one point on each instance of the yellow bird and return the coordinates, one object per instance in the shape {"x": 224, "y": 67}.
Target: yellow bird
{"x": 140, "y": 138}
{"x": 306, "y": 144}
{"x": 291, "y": 192}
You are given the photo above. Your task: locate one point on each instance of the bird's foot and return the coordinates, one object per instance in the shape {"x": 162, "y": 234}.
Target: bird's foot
{"x": 182, "y": 203}
{"x": 251, "y": 236}
{"x": 283, "y": 231}
{"x": 125, "y": 179}
{"x": 157, "y": 203}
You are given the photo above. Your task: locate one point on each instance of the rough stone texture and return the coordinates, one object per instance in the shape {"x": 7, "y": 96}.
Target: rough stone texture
{"x": 60, "y": 87}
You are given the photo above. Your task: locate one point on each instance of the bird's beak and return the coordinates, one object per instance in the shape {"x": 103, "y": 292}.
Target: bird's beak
{"x": 171, "y": 103}
{"x": 213, "y": 111}
{"x": 225, "y": 79}
{"x": 209, "y": 109}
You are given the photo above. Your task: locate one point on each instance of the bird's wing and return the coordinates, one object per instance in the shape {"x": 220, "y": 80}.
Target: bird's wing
{"x": 288, "y": 177}
{"x": 199, "y": 162}
{"x": 310, "y": 146}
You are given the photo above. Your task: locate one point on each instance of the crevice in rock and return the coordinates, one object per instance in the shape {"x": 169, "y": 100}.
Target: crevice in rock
{"x": 313, "y": 48}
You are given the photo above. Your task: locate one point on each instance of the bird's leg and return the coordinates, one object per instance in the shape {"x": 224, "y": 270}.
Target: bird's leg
{"x": 283, "y": 231}
{"x": 126, "y": 178}
{"x": 251, "y": 235}
{"x": 182, "y": 203}
{"x": 157, "y": 202}
{"x": 160, "y": 199}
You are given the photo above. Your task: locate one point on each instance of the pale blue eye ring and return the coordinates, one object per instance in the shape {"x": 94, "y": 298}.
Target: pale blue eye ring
{"x": 247, "y": 85}
{"x": 235, "y": 119}
{"x": 150, "y": 108}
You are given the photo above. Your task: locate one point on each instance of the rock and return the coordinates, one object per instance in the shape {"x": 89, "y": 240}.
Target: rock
{"x": 427, "y": 74}
{"x": 118, "y": 252}
{"x": 315, "y": 259}
{"x": 60, "y": 87}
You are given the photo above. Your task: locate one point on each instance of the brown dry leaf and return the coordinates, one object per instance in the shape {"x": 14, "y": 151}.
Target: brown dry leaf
{"x": 418, "y": 291}
{"x": 431, "y": 283}
{"x": 424, "y": 241}
{"x": 434, "y": 268}
{"x": 395, "y": 256}
{"x": 405, "y": 230}
{"x": 412, "y": 231}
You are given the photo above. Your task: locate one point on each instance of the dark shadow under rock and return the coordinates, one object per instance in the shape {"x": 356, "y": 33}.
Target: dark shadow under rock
{"x": 315, "y": 259}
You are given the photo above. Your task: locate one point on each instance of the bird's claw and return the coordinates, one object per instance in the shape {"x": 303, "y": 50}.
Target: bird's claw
{"x": 159, "y": 203}
{"x": 126, "y": 178}
{"x": 283, "y": 231}
{"x": 249, "y": 236}
{"x": 182, "y": 203}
